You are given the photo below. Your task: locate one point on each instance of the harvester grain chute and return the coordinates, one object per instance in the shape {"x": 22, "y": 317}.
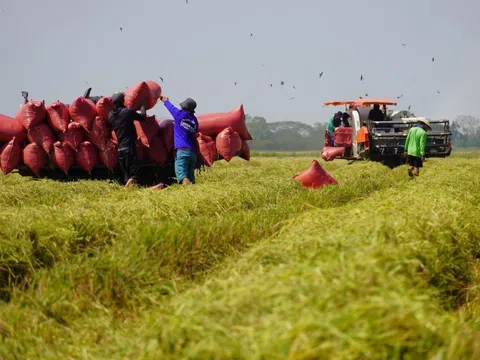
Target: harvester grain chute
{"x": 382, "y": 141}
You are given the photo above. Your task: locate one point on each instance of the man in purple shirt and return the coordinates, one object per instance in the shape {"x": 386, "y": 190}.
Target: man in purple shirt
{"x": 184, "y": 133}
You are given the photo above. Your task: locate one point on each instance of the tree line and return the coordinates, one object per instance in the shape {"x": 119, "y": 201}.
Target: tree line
{"x": 298, "y": 136}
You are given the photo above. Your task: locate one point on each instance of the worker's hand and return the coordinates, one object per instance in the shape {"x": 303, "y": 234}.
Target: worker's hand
{"x": 163, "y": 98}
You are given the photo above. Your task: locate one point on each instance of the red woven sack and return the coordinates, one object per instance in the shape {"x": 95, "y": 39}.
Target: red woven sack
{"x": 35, "y": 158}
{"x": 73, "y": 136}
{"x": 135, "y": 95}
{"x": 63, "y": 156}
{"x": 11, "y": 128}
{"x": 155, "y": 93}
{"x": 228, "y": 143}
{"x": 166, "y": 133}
{"x": 43, "y": 136}
{"x": 207, "y": 149}
{"x": 330, "y": 153}
{"x": 83, "y": 112}
{"x": 213, "y": 124}
{"x": 32, "y": 113}
{"x": 157, "y": 151}
{"x": 99, "y": 135}
{"x": 109, "y": 156}
{"x": 104, "y": 107}
{"x": 147, "y": 130}
{"x": 315, "y": 177}
{"x": 58, "y": 116}
{"x": 10, "y": 156}
{"x": 87, "y": 156}
{"x": 245, "y": 151}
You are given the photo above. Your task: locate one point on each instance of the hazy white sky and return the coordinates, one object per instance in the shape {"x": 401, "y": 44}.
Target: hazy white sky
{"x": 52, "y": 48}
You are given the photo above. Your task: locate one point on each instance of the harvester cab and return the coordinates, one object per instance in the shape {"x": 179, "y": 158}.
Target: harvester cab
{"x": 384, "y": 140}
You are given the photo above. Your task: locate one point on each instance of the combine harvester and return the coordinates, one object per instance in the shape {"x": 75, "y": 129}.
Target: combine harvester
{"x": 382, "y": 141}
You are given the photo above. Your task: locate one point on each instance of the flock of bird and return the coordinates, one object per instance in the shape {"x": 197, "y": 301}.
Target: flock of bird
{"x": 282, "y": 83}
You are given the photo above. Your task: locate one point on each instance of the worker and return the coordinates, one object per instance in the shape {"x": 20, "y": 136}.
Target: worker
{"x": 333, "y": 124}
{"x": 345, "y": 117}
{"x": 185, "y": 144}
{"x": 415, "y": 147}
{"x": 121, "y": 121}
{"x": 376, "y": 114}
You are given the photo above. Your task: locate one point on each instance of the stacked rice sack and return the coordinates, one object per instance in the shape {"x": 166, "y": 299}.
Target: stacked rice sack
{"x": 223, "y": 136}
{"x": 59, "y": 136}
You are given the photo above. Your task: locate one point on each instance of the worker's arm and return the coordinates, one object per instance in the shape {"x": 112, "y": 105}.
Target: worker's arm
{"x": 423, "y": 144}
{"x": 142, "y": 116}
{"x": 176, "y": 113}
{"x": 406, "y": 143}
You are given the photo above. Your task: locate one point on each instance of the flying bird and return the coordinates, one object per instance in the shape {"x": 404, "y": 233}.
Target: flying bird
{"x": 399, "y": 97}
{"x": 121, "y": 29}
{"x": 186, "y": 1}
{"x": 271, "y": 85}
{"x": 433, "y": 59}
{"x": 409, "y": 107}
{"x": 438, "y": 92}
{"x": 404, "y": 45}
{"x": 366, "y": 94}
{"x": 294, "y": 87}
{"x": 361, "y": 77}
{"x": 292, "y": 98}
{"x": 282, "y": 83}
{"x": 161, "y": 78}
{"x": 251, "y": 34}
{"x": 320, "y": 75}
{"x": 360, "y": 97}
{"x": 235, "y": 83}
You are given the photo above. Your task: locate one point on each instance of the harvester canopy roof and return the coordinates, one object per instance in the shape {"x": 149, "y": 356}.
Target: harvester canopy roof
{"x": 361, "y": 102}
{"x": 369, "y": 102}
{"x": 338, "y": 103}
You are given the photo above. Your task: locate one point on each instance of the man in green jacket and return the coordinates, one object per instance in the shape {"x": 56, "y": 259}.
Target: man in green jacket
{"x": 415, "y": 147}
{"x": 334, "y": 123}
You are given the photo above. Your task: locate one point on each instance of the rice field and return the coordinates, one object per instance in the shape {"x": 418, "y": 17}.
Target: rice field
{"x": 246, "y": 264}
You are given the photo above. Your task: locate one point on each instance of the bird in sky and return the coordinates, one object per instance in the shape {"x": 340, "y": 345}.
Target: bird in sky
{"x": 251, "y": 34}
{"x": 399, "y": 97}
{"x": 121, "y": 29}
{"x": 294, "y": 87}
{"x": 271, "y": 85}
{"x": 409, "y": 107}
{"x": 292, "y": 98}
{"x": 404, "y": 45}
{"x": 366, "y": 94}
{"x": 282, "y": 83}
{"x": 438, "y": 92}
{"x": 320, "y": 75}
{"x": 235, "y": 83}
{"x": 161, "y": 78}
{"x": 361, "y": 77}
{"x": 433, "y": 59}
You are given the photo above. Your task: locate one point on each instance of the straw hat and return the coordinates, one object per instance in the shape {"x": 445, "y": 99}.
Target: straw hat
{"x": 426, "y": 123}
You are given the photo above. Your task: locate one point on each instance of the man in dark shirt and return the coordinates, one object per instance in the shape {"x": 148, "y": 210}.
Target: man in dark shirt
{"x": 376, "y": 114}
{"x": 121, "y": 121}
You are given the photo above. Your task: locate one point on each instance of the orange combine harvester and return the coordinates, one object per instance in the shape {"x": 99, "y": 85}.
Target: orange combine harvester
{"x": 382, "y": 141}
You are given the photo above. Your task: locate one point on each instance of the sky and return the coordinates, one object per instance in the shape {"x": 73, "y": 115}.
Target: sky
{"x": 52, "y": 49}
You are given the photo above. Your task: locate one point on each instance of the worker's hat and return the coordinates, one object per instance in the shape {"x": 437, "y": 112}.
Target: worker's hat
{"x": 426, "y": 123}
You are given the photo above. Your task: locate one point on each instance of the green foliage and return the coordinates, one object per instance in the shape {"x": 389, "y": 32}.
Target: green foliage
{"x": 246, "y": 264}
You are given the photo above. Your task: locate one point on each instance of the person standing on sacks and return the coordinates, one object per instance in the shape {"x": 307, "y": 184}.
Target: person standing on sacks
{"x": 184, "y": 132}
